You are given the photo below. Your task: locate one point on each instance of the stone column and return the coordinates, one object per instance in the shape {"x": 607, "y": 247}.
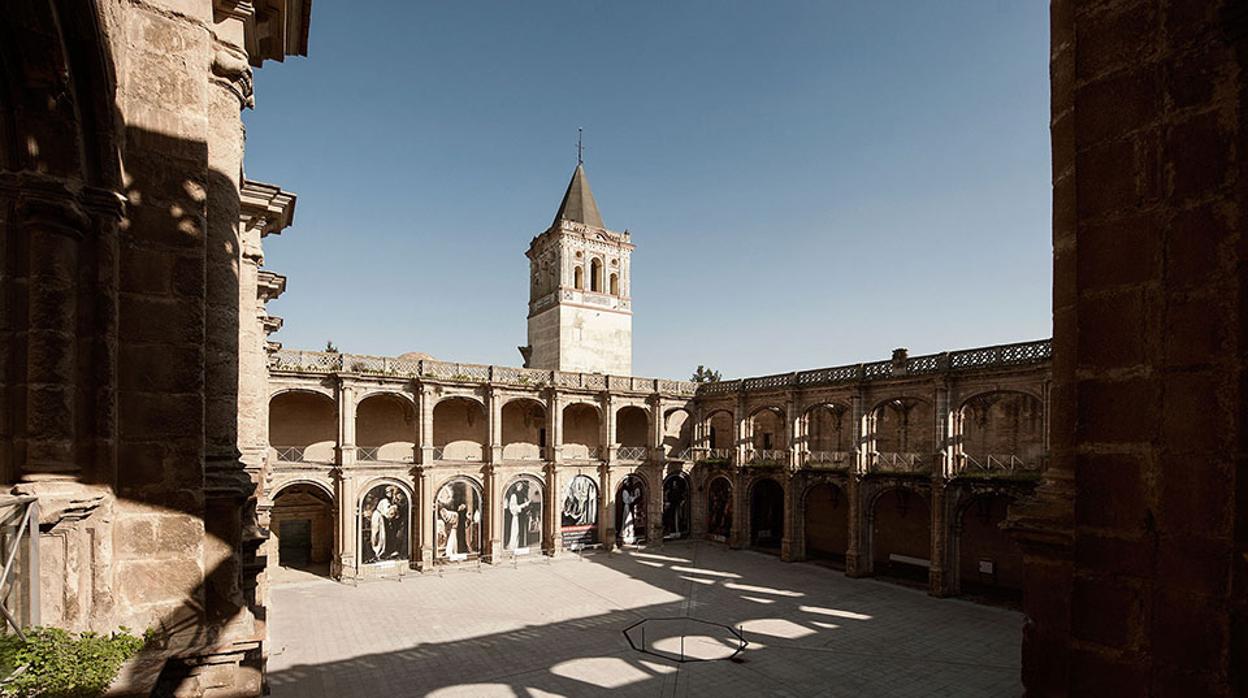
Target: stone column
{"x": 606, "y": 508}
{"x": 552, "y": 541}
{"x": 740, "y": 514}
{"x": 656, "y": 430}
{"x": 607, "y": 430}
{"x": 793, "y": 427}
{"x": 346, "y": 424}
{"x": 740, "y": 431}
{"x": 790, "y": 547}
{"x": 346, "y": 537}
{"x": 938, "y": 575}
{"x": 425, "y": 408}
{"x": 556, "y": 427}
{"x": 424, "y": 517}
{"x": 944, "y": 433}
{"x": 492, "y": 552}
{"x": 494, "y": 412}
{"x": 654, "y": 504}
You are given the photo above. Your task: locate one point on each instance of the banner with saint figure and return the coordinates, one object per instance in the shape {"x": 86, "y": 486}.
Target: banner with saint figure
{"x": 384, "y": 515}
{"x": 457, "y": 520}
{"x": 522, "y": 515}
{"x": 578, "y": 522}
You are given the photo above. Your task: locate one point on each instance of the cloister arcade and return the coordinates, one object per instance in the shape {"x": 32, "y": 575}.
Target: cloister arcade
{"x": 908, "y": 475}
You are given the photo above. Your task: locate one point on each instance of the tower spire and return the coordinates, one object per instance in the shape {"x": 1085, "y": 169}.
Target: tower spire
{"x": 580, "y": 147}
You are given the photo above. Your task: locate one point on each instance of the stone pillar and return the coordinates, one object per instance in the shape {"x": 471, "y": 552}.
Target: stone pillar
{"x": 740, "y": 511}
{"x": 425, "y": 407}
{"x": 492, "y": 552}
{"x": 944, "y": 467}
{"x": 790, "y": 546}
{"x": 938, "y": 578}
{"x": 606, "y": 508}
{"x": 740, "y": 432}
{"x": 792, "y": 428}
{"x": 656, "y": 454}
{"x": 346, "y": 424}
{"x": 551, "y": 519}
{"x": 857, "y": 554}
{"x": 346, "y": 534}
{"x": 607, "y": 430}
{"x": 494, "y": 432}
{"x": 556, "y": 427}
{"x": 654, "y": 504}
{"x": 424, "y": 517}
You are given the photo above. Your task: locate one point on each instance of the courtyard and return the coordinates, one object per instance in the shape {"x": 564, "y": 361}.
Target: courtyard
{"x": 541, "y": 628}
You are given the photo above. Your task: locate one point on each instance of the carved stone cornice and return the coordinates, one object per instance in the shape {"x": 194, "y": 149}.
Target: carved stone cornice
{"x": 265, "y": 207}
{"x": 57, "y": 203}
{"x": 231, "y": 71}
{"x": 269, "y": 285}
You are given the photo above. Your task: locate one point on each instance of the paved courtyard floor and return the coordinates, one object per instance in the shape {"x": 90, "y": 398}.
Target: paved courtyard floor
{"x": 556, "y": 628}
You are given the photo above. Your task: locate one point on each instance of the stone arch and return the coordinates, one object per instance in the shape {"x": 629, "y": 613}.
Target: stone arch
{"x": 524, "y": 430}
{"x": 768, "y": 429}
{"x": 1002, "y": 425}
{"x": 632, "y": 496}
{"x": 828, "y": 428}
{"x": 301, "y": 524}
{"x": 719, "y": 429}
{"x": 523, "y": 499}
{"x": 595, "y": 275}
{"x": 458, "y": 511}
{"x": 614, "y": 287}
{"x": 988, "y": 561}
{"x": 677, "y": 506}
{"x": 325, "y": 488}
{"x": 582, "y": 431}
{"x": 903, "y": 426}
{"x": 385, "y": 427}
{"x": 303, "y": 426}
{"x": 766, "y": 497}
{"x": 578, "y": 278}
{"x": 677, "y": 432}
{"x": 632, "y": 426}
{"x": 317, "y": 389}
{"x": 825, "y": 521}
{"x": 899, "y": 532}
{"x": 719, "y": 506}
{"x": 460, "y": 428}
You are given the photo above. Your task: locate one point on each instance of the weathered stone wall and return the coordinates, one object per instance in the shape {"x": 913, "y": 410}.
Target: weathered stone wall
{"x": 387, "y": 423}
{"x": 304, "y": 420}
{"x": 1137, "y": 581}
{"x": 460, "y": 428}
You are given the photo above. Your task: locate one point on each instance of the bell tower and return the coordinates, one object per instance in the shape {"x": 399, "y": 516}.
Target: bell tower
{"x": 580, "y": 313}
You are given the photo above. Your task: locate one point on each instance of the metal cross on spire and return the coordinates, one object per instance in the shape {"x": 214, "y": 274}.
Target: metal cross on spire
{"x": 580, "y": 146}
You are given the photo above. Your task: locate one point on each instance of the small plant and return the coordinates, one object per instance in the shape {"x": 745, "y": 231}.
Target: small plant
{"x": 55, "y": 662}
{"x": 705, "y": 375}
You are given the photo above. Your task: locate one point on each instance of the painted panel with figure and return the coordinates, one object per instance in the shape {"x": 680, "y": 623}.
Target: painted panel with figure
{"x": 385, "y": 513}
{"x": 457, "y": 520}
{"x": 630, "y": 511}
{"x": 579, "y": 517}
{"x": 719, "y": 510}
{"x": 676, "y": 506}
{"x": 522, "y": 515}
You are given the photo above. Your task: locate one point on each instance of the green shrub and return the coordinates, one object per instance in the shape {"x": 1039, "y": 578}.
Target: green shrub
{"x": 58, "y": 664}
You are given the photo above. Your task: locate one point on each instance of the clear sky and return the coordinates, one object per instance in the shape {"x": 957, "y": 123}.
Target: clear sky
{"x": 808, "y": 183}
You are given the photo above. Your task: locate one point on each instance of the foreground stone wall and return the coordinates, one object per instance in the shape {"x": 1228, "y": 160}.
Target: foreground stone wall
{"x": 1137, "y": 545}
{"x": 129, "y": 306}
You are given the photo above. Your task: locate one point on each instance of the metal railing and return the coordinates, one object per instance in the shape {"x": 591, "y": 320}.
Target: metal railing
{"x": 994, "y": 464}
{"x": 367, "y": 454}
{"x": 631, "y": 453}
{"x": 767, "y": 456}
{"x": 290, "y": 454}
{"x": 581, "y": 452}
{"x": 717, "y": 455}
{"x": 19, "y": 547}
{"x": 896, "y": 462}
{"x": 830, "y": 460}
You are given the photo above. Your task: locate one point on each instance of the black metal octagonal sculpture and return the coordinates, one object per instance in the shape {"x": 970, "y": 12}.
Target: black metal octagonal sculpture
{"x": 681, "y": 639}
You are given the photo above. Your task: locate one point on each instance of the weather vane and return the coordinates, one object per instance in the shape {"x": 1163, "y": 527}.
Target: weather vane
{"x": 580, "y": 147}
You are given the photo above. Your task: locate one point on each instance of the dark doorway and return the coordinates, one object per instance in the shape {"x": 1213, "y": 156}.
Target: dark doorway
{"x": 827, "y": 524}
{"x": 767, "y": 514}
{"x": 295, "y": 542}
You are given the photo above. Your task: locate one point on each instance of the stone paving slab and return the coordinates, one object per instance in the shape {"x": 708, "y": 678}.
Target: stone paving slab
{"x": 555, "y": 628}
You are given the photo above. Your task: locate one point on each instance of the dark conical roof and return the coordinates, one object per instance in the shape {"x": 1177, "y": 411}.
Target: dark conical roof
{"x": 578, "y": 202}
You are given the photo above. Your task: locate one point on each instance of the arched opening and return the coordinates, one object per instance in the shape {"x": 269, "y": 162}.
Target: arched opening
{"x": 990, "y": 563}
{"x": 524, "y": 430}
{"x": 769, "y": 441}
{"x": 719, "y": 434}
{"x": 632, "y": 426}
{"x": 829, "y": 435}
{"x": 595, "y": 275}
{"x": 904, "y": 436}
{"x": 582, "y": 432}
{"x": 630, "y": 511}
{"x": 767, "y": 514}
{"x": 901, "y": 536}
{"x": 719, "y": 509}
{"x": 615, "y": 284}
{"x": 385, "y": 530}
{"x": 385, "y": 429}
{"x": 457, "y": 520}
{"x": 522, "y": 515}
{"x": 677, "y": 434}
{"x": 303, "y": 427}
{"x": 302, "y": 522}
{"x": 676, "y": 507}
{"x": 579, "y": 516}
{"x": 459, "y": 429}
{"x": 578, "y": 277}
{"x": 1002, "y": 431}
{"x": 826, "y": 523}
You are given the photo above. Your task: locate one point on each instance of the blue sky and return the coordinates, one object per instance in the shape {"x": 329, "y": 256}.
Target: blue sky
{"x": 808, "y": 182}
